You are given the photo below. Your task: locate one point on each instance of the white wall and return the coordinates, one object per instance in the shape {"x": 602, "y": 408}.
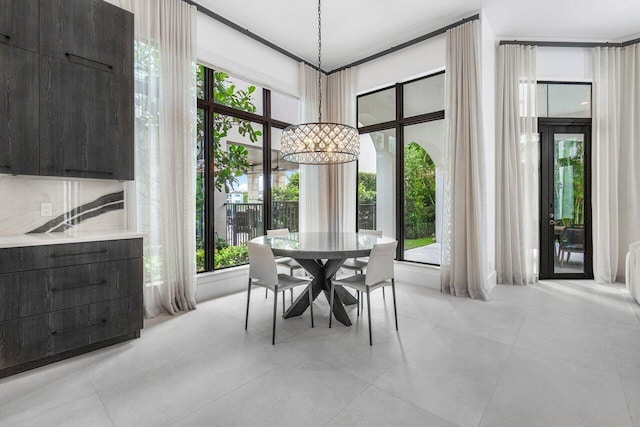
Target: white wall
{"x": 420, "y": 59}
{"x": 226, "y": 49}
{"x": 564, "y": 64}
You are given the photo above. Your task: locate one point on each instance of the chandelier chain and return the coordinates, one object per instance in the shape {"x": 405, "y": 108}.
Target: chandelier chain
{"x": 319, "y": 63}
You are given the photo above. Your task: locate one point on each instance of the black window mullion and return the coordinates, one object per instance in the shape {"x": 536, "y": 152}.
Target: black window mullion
{"x": 399, "y": 173}
{"x": 266, "y": 156}
{"x": 209, "y": 238}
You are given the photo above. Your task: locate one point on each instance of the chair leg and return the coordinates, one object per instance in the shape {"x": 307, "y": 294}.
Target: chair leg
{"x": 383, "y": 297}
{"x": 369, "y": 315}
{"x": 266, "y": 293}
{"x": 283, "y": 303}
{"x": 330, "y": 303}
{"x": 275, "y": 310}
{"x": 358, "y": 302}
{"x": 291, "y": 295}
{"x": 395, "y": 309}
{"x": 310, "y": 304}
{"x": 246, "y": 319}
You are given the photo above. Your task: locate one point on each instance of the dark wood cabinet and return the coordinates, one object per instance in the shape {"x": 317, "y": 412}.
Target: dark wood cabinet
{"x": 58, "y": 301}
{"x": 86, "y": 125}
{"x": 19, "y": 24}
{"x": 66, "y": 81}
{"x": 18, "y": 111}
{"x": 88, "y": 32}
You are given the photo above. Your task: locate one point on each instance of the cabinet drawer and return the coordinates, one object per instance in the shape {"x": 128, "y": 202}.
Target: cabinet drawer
{"x": 40, "y": 291}
{"x": 40, "y": 257}
{"x": 80, "y": 326}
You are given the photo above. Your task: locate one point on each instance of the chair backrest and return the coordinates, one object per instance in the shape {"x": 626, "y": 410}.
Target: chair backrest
{"x": 380, "y": 265}
{"x": 262, "y": 264}
{"x": 372, "y": 232}
{"x": 572, "y": 236}
{"x": 278, "y": 232}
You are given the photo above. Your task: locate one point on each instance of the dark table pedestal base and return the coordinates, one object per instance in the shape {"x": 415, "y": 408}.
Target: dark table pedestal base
{"x": 321, "y": 273}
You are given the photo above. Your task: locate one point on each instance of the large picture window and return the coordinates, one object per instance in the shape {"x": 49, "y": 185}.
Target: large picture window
{"x": 400, "y": 164}
{"x": 243, "y": 186}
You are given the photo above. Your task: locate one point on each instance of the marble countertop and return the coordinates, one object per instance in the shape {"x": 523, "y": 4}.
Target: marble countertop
{"x": 40, "y": 239}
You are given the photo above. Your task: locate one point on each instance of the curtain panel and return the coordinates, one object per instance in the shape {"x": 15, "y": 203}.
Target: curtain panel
{"x": 517, "y": 164}
{"x": 464, "y": 267}
{"x": 327, "y": 192}
{"x": 161, "y": 201}
{"x": 616, "y": 158}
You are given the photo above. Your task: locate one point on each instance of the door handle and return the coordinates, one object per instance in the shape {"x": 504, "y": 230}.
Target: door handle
{"x": 552, "y": 222}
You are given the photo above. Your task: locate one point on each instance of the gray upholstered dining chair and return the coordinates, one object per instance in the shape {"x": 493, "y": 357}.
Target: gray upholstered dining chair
{"x": 286, "y": 262}
{"x": 380, "y": 273}
{"x": 263, "y": 272}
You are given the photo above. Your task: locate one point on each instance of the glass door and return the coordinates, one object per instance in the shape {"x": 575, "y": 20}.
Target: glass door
{"x": 565, "y": 201}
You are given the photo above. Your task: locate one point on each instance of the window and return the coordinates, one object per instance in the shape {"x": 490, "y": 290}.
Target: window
{"x": 401, "y": 153}
{"x": 563, "y": 99}
{"x": 243, "y": 186}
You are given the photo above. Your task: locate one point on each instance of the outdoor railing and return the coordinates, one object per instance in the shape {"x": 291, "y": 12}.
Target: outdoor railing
{"x": 246, "y": 220}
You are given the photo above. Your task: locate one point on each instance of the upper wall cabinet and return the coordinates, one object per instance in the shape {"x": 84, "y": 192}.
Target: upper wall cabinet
{"x": 86, "y": 122}
{"x": 19, "y": 108}
{"x": 19, "y": 24}
{"x": 88, "y": 32}
{"x": 86, "y": 90}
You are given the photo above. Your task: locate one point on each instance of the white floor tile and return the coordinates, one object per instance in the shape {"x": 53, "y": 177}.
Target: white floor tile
{"x": 375, "y": 407}
{"x": 537, "y": 390}
{"x": 553, "y": 353}
{"x": 305, "y": 391}
{"x": 449, "y": 373}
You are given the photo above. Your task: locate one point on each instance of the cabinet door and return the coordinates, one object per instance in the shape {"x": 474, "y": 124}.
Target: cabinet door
{"x": 19, "y": 24}
{"x": 91, "y": 32}
{"x": 86, "y": 122}
{"x": 24, "y": 340}
{"x": 18, "y": 111}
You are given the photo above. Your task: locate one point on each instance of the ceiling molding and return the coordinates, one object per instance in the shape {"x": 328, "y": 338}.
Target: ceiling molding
{"x": 295, "y": 57}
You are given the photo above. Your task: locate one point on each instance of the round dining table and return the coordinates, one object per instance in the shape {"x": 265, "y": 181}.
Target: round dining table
{"x": 322, "y": 254}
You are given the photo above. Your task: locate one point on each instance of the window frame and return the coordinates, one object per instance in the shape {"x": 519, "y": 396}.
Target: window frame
{"x": 399, "y": 123}
{"x": 265, "y": 119}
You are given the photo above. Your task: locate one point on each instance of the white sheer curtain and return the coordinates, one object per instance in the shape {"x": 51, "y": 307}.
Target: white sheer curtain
{"x": 616, "y": 158}
{"x": 327, "y": 193}
{"x": 161, "y": 201}
{"x": 463, "y": 269}
{"x": 517, "y": 164}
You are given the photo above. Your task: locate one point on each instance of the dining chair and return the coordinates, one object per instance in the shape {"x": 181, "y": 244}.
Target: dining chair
{"x": 264, "y": 272}
{"x": 359, "y": 264}
{"x": 380, "y": 273}
{"x": 287, "y": 262}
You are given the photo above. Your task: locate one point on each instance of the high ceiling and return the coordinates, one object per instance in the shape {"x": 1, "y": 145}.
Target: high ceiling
{"x": 354, "y": 29}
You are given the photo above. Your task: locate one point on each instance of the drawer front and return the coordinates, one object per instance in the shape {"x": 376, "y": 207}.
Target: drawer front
{"x": 93, "y": 323}
{"x": 23, "y": 340}
{"x": 35, "y": 292}
{"x": 40, "y": 257}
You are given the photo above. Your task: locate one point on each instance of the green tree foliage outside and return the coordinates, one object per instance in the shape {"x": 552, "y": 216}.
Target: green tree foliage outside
{"x": 290, "y": 192}
{"x": 230, "y": 162}
{"x": 419, "y": 193}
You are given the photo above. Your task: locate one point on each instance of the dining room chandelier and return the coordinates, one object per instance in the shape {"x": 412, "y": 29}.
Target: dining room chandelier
{"x": 320, "y": 143}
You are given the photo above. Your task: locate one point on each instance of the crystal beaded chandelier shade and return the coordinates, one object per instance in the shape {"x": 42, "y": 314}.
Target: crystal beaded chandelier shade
{"x": 320, "y": 143}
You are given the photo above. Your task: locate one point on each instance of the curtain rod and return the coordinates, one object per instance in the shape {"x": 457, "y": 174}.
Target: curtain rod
{"x": 406, "y": 44}
{"x": 568, "y": 44}
{"x": 211, "y": 14}
{"x": 246, "y": 32}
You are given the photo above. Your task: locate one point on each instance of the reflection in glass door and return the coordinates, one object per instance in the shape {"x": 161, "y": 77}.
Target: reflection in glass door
{"x": 565, "y": 240}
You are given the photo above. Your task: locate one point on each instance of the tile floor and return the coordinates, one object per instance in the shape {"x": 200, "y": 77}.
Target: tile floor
{"x": 563, "y": 353}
